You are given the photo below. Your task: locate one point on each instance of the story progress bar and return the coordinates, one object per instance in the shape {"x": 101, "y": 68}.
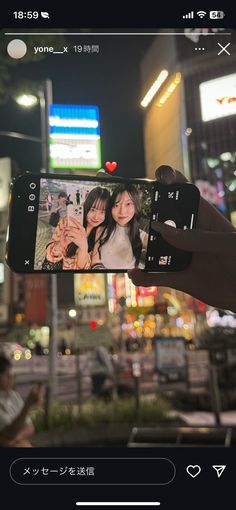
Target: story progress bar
{"x": 118, "y": 503}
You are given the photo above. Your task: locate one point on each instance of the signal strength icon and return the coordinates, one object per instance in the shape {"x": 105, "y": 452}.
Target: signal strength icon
{"x": 189, "y": 15}
{"x": 201, "y": 14}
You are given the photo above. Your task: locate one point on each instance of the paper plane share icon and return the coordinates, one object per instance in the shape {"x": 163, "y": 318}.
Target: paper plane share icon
{"x": 219, "y": 470}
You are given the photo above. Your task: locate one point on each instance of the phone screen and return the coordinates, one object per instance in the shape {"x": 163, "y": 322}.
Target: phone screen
{"x": 92, "y": 225}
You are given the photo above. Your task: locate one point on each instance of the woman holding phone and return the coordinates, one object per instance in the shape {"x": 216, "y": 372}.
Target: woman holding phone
{"x": 123, "y": 241}
{"x": 72, "y": 244}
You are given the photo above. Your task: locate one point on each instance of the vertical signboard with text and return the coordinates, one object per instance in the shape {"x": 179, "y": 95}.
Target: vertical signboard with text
{"x": 36, "y": 289}
{"x": 170, "y": 359}
{"x": 74, "y": 137}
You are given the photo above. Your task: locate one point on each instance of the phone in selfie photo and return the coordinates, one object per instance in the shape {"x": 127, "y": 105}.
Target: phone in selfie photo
{"x": 74, "y": 211}
{"x": 111, "y": 220}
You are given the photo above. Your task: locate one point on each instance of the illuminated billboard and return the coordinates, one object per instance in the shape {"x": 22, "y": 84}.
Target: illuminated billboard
{"x": 74, "y": 134}
{"x": 218, "y": 97}
{"x": 89, "y": 289}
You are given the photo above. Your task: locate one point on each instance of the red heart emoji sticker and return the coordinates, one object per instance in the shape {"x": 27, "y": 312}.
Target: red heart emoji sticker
{"x": 110, "y": 166}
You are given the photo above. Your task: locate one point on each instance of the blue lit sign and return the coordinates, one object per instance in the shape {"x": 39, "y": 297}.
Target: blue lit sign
{"x": 74, "y": 136}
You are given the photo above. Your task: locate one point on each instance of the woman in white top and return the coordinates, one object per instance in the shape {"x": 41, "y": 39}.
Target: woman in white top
{"x": 123, "y": 240}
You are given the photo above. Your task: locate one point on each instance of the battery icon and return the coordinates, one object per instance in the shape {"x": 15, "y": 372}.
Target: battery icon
{"x": 217, "y": 14}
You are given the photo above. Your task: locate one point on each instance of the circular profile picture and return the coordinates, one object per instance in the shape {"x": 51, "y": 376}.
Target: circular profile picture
{"x": 16, "y": 48}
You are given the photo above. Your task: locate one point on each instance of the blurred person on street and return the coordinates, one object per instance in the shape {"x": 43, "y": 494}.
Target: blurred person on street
{"x": 102, "y": 373}
{"x": 211, "y": 275}
{"x": 16, "y": 427}
{"x": 60, "y": 210}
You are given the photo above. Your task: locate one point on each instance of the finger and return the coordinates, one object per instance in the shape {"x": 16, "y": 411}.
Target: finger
{"x": 101, "y": 172}
{"x": 198, "y": 240}
{"x": 74, "y": 229}
{"x": 142, "y": 279}
{"x": 168, "y": 175}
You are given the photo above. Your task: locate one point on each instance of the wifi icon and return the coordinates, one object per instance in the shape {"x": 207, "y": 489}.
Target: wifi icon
{"x": 201, "y": 14}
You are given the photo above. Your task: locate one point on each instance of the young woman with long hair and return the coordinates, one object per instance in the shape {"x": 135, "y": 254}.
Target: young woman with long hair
{"x": 123, "y": 241}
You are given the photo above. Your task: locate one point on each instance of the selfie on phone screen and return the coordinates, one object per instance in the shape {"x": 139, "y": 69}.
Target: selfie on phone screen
{"x": 118, "y": 258}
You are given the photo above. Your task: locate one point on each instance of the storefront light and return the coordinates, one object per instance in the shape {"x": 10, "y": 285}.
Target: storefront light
{"x": 232, "y": 186}
{"x": 72, "y": 313}
{"x": 111, "y": 306}
{"x": 213, "y": 162}
{"x": 170, "y": 89}
{"x": 171, "y": 311}
{"x": 154, "y": 88}
{"x": 28, "y": 354}
{"x": 179, "y": 322}
{"x": 45, "y": 330}
{"x": 226, "y": 156}
{"x": 188, "y": 131}
{"x": 233, "y": 217}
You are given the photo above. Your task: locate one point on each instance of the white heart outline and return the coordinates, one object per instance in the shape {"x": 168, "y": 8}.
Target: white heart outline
{"x": 194, "y": 467}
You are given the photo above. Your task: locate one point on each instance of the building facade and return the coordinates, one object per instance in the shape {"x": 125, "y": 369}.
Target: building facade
{"x": 190, "y": 122}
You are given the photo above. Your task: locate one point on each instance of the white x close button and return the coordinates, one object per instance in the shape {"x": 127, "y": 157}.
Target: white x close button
{"x": 223, "y": 49}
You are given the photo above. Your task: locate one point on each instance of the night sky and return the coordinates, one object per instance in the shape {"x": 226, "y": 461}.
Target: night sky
{"x": 109, "y": 79}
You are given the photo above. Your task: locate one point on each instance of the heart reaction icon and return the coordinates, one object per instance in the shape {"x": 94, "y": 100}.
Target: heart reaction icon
{"x": 110, "y": 166}
{"x": 193, "y": 471}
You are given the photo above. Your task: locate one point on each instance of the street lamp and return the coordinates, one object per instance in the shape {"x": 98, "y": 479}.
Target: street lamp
{"x": 27, "y": 100}
{"x": 44, "y": 97}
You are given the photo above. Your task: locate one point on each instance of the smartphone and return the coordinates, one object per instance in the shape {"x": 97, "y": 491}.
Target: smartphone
{"x": 74, "y": 211}
{"x": 115, "y": 216}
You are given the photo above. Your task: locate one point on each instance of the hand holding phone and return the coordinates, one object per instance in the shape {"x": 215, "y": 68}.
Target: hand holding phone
{"x": 76, "y": 233}
{"x": 211, "y": 275}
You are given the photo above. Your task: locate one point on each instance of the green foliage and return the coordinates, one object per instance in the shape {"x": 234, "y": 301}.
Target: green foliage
{"x": 61, "y": 416}
{"x": 124, "y": 411}
{"x": 98, "y": 411}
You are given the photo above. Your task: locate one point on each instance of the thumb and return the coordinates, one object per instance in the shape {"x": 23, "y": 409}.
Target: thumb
{"x": 198, "y": 240}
